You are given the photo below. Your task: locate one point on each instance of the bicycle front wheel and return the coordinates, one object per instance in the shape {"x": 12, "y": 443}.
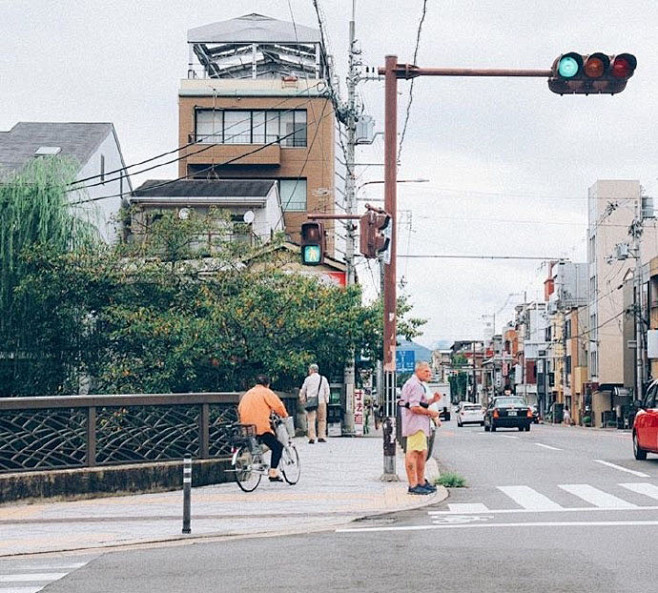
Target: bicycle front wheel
{"x": 245, "y": 475}
{"x": 289, "y": 464}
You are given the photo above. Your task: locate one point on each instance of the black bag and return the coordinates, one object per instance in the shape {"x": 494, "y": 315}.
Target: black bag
{"x": 311, "y": 403}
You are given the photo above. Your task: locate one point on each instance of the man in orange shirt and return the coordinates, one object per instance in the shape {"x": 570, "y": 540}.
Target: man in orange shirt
{"x": 255, "y": 408}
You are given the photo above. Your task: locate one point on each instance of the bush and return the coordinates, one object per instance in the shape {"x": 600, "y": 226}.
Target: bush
{"x": 451, "y": 480}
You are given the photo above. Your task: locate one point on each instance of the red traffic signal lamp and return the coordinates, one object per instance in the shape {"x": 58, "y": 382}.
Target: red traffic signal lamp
{"x": 597, "y": 73}
{"x": 313, "y": 243}
{"x": 373, "y": 236}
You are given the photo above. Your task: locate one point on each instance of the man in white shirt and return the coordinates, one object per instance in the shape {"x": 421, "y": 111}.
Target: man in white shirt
{"x": 315, "y": 386}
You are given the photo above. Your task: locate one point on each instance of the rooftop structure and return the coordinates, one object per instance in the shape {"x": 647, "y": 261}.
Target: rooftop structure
{"x": 256, "y": 46}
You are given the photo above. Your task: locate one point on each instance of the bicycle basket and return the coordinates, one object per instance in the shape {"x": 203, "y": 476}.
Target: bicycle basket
{"x": 242, "y": 434}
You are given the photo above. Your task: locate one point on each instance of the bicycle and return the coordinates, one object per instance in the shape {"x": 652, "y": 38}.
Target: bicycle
{"x": 247, "y": 460}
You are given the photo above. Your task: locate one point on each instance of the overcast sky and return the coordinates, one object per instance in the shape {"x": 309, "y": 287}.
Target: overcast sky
{"x": 509, "y": 162}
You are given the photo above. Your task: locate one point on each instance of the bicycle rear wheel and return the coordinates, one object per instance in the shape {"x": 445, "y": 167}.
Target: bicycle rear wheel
{"x": 245, "y": 475}
{"x": 289, "y": 464}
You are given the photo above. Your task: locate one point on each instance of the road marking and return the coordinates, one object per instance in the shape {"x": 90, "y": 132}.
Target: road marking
{"x": 529, "y": 499}
{"x": 30, "y": 577}
{"x": 501, "y": 525}
{"x": 597, "y": 497}
{"x": 507, "y": 436}
{"x": 548, "y": 447}
{"x": 455, "y": 519}
{"x": 477, "y": 507}
{"x": 561, "y": 510}
{"x": 21, "y": 590}
{"x": 643, "y": 488}
{"x": 623, "y": 469}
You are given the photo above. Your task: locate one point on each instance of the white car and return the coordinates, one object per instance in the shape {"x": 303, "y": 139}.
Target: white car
{"x": 470, "y": 413}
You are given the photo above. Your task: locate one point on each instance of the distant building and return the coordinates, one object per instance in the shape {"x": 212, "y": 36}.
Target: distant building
{"x": 94, "y": 147}
{"x": 612, "y": 207}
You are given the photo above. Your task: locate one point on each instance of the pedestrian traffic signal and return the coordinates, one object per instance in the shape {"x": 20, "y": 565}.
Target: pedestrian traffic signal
{"x": 597, "y": 73}
{"x": 313, "y": 243}
{"x": 374, "y": 237}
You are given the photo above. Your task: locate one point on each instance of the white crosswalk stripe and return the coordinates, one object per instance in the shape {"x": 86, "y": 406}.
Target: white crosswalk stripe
{"x": 643, "y": 488}
{"x": 597, "y": 497}
{"x": 529, "y": 498}
{"x": 29, "y": 577}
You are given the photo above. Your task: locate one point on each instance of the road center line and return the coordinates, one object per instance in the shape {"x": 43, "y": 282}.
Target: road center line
{"x": 548, "y": 447}
{"x": 623, "y": 469}
{"x": 500, "y": 525}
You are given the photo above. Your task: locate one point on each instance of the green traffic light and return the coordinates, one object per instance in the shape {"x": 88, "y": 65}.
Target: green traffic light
{"x": 568, "y": 67}
{"x": 311, "y": 254}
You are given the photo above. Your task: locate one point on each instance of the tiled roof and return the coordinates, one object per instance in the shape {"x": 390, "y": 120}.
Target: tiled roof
{"x": 77, "y": 140}
{"x": 215, "y": 188}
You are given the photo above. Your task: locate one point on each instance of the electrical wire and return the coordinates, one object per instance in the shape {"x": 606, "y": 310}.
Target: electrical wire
{"x": 411, "y": 86}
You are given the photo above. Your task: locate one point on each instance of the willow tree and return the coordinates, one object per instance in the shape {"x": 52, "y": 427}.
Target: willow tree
{"x": 36, "y": 218}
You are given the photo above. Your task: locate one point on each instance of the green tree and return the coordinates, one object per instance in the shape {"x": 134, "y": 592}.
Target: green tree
{"x": 36, "y": 215}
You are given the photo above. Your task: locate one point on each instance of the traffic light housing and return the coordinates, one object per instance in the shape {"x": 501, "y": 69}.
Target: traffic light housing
{"x": 373, "y": 236}
{"x": 313, "y": 243}
{"x": 597, "y": 73}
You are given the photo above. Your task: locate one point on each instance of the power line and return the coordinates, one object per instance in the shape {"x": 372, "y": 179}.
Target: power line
{"x": 75, "y": 186}
{"x": 456, "y": 256}
{"x": 411, "y": 86}
{"x": 204, "y": 170}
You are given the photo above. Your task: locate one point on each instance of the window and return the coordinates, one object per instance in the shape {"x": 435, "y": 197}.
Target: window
{"x": 567, "y": 329}
{"x": 293, "y": 195}
{"x": 102, "y": 168}
{"x": 237, "y": 127}
{"x": 232, "y": 126}
{"x": 568, "y": 365}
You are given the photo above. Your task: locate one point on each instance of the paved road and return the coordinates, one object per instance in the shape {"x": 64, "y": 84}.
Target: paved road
{"x": 558, "y": 509}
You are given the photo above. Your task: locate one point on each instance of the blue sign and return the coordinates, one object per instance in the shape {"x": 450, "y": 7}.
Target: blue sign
{"x": 405, "y": 361}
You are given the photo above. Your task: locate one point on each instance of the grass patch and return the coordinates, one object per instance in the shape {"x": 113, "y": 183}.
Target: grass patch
{"x": 451, "y": 480}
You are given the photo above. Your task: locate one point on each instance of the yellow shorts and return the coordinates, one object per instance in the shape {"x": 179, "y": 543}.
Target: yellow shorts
{"x": 417, "y": 441}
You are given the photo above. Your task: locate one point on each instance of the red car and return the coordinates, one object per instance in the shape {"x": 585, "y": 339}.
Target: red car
{"x": 645, "y": 425}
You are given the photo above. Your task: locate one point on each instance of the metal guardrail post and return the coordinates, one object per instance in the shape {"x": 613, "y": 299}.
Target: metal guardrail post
{"x": 187, "y": 494}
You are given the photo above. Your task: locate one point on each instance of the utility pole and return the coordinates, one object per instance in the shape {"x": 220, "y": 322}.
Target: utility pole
{"x": 636, "y": 233}
{"x": 350, "y": 201}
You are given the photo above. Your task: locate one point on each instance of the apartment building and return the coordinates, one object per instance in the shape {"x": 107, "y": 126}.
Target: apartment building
{"x": 613, "y": 205}
{"x": 256, "y": 105}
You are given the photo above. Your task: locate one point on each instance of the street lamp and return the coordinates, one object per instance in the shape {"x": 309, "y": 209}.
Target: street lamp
{"x": 382, "y": 182}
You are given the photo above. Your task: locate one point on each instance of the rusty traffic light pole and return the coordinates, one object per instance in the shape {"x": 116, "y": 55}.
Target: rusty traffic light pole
{"x": 392, "y": 71}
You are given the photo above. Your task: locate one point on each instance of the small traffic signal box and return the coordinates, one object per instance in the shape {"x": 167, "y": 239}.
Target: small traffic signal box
{"x": 313, "y": 243}
{"x": 373, "y": 233}
{"x": 598, "y": 73}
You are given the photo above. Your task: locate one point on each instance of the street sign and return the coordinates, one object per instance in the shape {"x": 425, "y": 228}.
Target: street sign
{"x": 405, "y": 361}
{"x": 359, "y": 412}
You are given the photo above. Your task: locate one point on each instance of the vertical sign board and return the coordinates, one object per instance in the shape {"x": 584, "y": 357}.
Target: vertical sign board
{"x": 405, "y": 361}
{"x": 359, "y": 412}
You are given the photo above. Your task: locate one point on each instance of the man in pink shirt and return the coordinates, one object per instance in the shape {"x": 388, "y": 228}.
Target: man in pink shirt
{"x": 416, "y": 418}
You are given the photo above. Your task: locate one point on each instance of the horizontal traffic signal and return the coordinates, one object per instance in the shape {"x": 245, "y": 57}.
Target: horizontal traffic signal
{"x": 596, "y": 73}
{"x": 313, "y": 243}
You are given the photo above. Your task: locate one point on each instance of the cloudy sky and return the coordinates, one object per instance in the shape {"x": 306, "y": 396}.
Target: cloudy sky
{"x": 509, "y": 162}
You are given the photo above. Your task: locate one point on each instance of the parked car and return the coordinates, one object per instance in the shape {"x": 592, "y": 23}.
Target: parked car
{"x": 645, "y": 424}
{"x": 470, "y": 413}
{"x": 508, "y": 412}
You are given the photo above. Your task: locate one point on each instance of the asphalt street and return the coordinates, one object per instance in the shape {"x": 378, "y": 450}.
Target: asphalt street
{"x": 558, "y": 509}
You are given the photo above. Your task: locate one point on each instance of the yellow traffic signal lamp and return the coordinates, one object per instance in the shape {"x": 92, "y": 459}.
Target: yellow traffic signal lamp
{"x": 374, "y": 238}
{"x": 313, "y": 243}
{"x": 597, "y": 73}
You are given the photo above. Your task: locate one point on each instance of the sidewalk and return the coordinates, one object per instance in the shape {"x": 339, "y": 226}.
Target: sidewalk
{"x": 340, "y": 482}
